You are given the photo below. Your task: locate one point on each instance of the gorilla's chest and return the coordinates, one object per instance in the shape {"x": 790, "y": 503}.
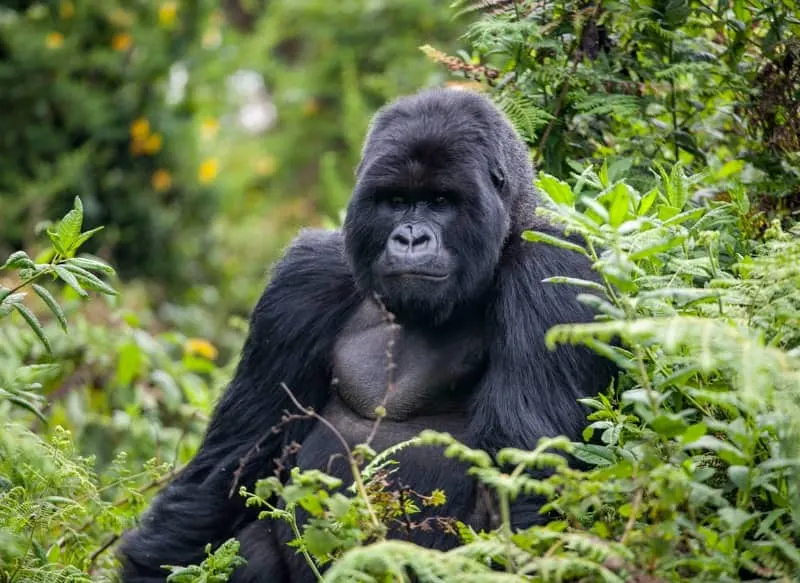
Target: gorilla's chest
{"x": 408, "y": 372}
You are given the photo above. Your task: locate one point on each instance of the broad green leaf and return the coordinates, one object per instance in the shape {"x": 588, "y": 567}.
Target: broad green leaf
{"x": 597, "y": 455}
{"x": 35, "y": 325}
{"x": 51, "y": 302}
{"x": 739, "y": 475}
{"x": 618, "y": 211}
{"x": 559, "y": 191}
{"x": 694, "y": 432}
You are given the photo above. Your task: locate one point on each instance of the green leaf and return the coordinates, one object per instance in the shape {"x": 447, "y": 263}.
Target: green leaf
{"x": 69, "y": 228}
{"x": 54, "y": 239}
{"x": 694, "y": 432}
{"x": 18, "y": 259}
{"x": 597, "y": 455}
{"x": 70, "y": 280}
{"x": 35, "y": 325}
{"x": 51, "y": 302}
{"x": 657, "y": 247}
{"x": 739, "y": 475}
{"x": 646, "y": 202}
{"x": 559, "y": 279}
{"x": 603, "y": 174}
{"x": 537, "y": 237}
{"x": 559, "y": 191}
{"x": 83, "y": 237}
{"x": 92, "y": 265}
{"x": 90, "y": 280}
{"x": 27, "y": 405}
{"x": 620, "y": 198}
{"x": 320, "y": 541}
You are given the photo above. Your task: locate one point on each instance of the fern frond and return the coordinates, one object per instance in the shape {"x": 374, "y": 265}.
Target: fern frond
{"x": 524, "y": 114}
{"x": 488, "y": 7}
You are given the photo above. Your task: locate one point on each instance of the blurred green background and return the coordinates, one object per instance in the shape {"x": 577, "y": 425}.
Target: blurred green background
{"x": 202, "y": 133}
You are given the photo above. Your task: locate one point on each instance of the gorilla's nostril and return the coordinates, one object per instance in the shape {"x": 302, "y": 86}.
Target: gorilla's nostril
{"x": 401, "y": 239}
{"x": 422, "y": 240}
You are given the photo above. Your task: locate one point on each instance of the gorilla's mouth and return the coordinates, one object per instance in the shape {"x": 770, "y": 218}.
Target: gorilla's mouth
{"x": 426, "y": 275}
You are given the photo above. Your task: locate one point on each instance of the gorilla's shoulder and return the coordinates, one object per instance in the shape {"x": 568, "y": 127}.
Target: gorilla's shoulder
{"x": 314, "y": 254}
{"x": 539, "y": 259}
{"x": 311, "y": 280}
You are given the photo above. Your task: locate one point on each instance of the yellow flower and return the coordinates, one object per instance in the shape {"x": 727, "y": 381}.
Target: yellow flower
{"x": 266, "y": 165}
{"x": 200, "y": 347}
{"x": 152, "y": 144}
{"x": 208, "y": 170}
{"x": 209, "y": 128}
{"x": 54, "y": 40}
{"x": 166, "y": 13}
{"x": 140, "y": 128}
{"x": 161, "y": 180}
{"x": 121, "y": 42}
{"x": 66, "y": 9}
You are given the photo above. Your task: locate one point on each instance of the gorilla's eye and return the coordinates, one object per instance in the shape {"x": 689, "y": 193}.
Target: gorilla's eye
{"x": 498, "y": 179}
{"x": 397, "y": 200}
{"x": 440, "y": 200}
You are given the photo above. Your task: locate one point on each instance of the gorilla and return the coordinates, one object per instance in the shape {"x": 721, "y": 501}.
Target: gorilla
{"x": 444, "y": 190}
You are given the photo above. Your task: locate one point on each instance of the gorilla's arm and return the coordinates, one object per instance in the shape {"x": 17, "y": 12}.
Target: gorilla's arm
{"x": 290, "y": 339}
{"x": 529, "y": 391}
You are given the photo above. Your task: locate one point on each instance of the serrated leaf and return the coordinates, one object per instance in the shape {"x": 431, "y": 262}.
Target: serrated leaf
{"x": 69, "y": 228}
{"x": 51, "y": 302}
{"x": 83, "y": 237}
{"x": 90, "y": 280}
{"x": 54, "y": 239}
{"x": 18, "y": 259}
{"x": 537, "y": 237}
{"x": 70, "y": 280}
{"x": 35, "y": 325}
{"x": 92, "y": 265}
{"x": 597, "y": 455}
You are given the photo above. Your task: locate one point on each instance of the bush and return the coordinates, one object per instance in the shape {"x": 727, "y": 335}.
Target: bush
{"x": 93, "y": 116}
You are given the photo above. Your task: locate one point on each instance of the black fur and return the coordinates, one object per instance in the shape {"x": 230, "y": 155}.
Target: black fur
{"x": 440, "y": 142}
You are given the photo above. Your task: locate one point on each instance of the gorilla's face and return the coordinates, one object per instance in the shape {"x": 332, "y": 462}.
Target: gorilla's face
{"x": 427, "y": 222}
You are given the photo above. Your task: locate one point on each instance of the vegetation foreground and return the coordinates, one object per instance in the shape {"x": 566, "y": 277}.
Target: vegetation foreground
{"x": 673, "y": 155}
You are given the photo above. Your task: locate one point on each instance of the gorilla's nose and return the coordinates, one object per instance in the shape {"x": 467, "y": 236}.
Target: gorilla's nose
{"x": 412, "y": 240}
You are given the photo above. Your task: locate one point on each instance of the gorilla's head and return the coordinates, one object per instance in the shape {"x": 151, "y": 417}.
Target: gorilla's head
{"x": 443, "y": 182}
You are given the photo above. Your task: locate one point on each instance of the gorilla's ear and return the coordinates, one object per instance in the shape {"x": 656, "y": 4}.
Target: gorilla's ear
{"x": 498, "y": 178}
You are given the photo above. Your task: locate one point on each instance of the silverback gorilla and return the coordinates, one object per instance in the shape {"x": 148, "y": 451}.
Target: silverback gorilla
{"x": 443, "y": 191}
